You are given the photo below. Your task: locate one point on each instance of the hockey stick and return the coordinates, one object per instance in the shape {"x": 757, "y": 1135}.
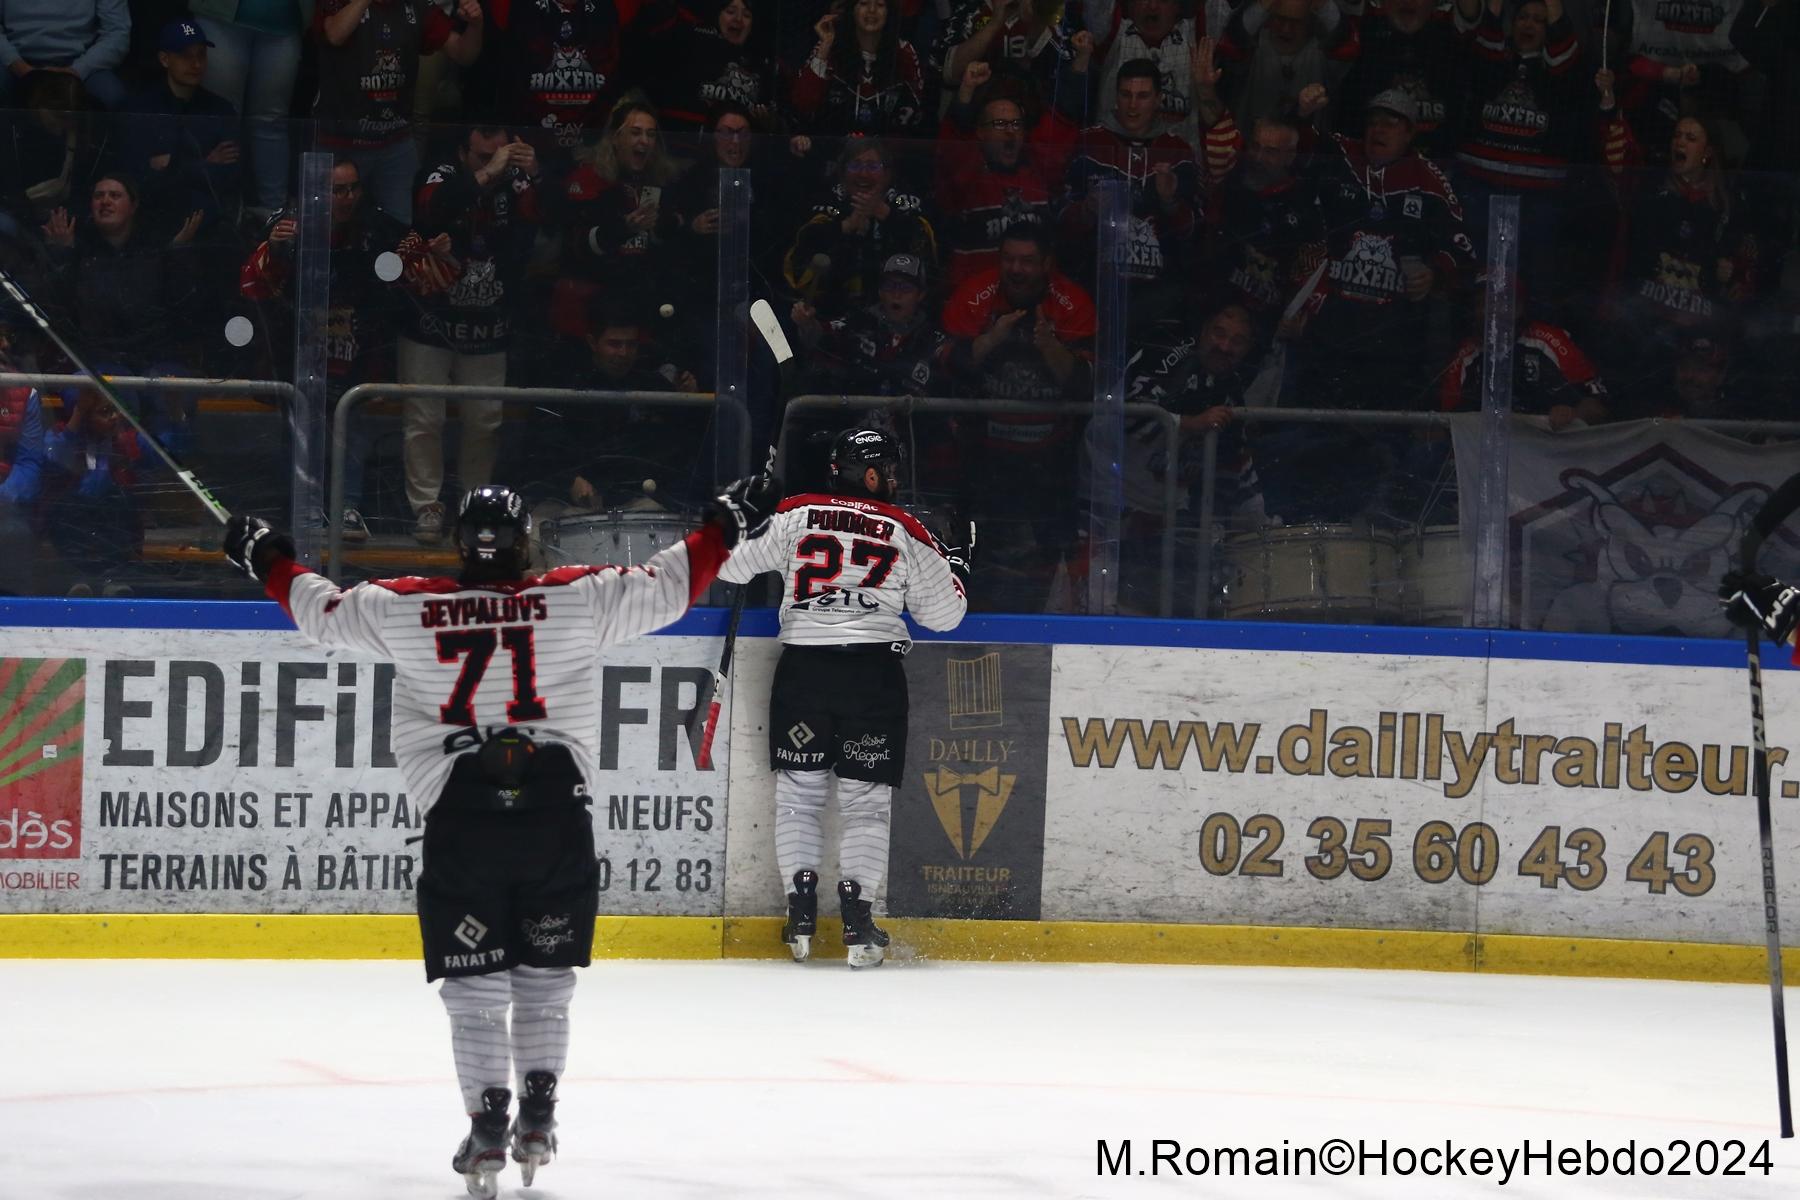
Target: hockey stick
{"x": 1779, "y": 506}
{"x": 763, "y": 317}
{"x": 703, "y": 759}
{"x": 25, "y": 302}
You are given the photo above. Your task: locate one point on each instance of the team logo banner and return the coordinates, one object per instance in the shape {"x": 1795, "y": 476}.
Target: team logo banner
{"x": 968, "y": 823}
{"x": 1627, "y": 528}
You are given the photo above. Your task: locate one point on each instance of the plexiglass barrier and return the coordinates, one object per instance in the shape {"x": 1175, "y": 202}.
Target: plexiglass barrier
{"x": 1183, "y": 390}
{"x": 130, "y": 233}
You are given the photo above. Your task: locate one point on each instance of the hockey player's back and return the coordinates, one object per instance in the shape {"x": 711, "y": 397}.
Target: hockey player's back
{"x": 479, "y": 656}
{"x": 494, "y": 731}
{"x": 852, "y": 563}
{"x": 850, "y": 566}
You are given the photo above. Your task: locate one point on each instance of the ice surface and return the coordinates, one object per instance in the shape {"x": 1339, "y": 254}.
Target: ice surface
{"x": 159, "y": 1080}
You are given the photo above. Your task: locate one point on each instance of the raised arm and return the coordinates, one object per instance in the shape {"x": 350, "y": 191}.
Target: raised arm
{"x": 349, "y": 618}
{"x": 629, "y": 601}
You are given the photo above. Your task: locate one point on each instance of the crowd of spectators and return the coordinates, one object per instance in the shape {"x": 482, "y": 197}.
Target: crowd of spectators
{"x": 1304, "y": 187}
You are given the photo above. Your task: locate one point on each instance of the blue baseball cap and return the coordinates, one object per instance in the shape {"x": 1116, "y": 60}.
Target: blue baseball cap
{"x": 179, "y": 35}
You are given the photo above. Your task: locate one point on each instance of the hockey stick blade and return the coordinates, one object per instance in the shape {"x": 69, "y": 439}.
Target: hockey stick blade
{"x": 713, "y": 704}
{"x": 763, "y": 317}
{"x": 703, "y": 756}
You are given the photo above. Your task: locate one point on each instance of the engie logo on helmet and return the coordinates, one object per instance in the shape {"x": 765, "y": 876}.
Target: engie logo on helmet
{"x": 40, "y": 757}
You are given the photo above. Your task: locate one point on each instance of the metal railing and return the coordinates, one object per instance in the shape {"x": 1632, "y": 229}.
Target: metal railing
{"x": 159, "y": 383}
{"x": 907, "y": 405}
{"x": 362, "y": 393}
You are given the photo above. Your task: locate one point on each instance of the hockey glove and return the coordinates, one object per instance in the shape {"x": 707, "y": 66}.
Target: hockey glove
{"x": 1760, "y": 602}
{"x": 252, "y": 545}
{"x": 962, "y": 558}
{"x": 745, "y": 507}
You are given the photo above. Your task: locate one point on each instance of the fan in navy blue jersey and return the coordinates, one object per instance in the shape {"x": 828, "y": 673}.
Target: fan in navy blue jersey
{"x": 562, "y": 63}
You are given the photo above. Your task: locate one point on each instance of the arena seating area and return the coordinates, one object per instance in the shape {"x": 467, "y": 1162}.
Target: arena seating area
{"x": 1189, "y": 305}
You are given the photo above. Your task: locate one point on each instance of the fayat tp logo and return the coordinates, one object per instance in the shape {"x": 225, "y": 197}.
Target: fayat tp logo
{"x": 968, "y": 787}
{"x": 40, "y": 756}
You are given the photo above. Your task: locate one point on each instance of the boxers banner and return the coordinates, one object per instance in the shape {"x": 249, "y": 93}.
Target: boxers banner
{"x": 1626, "y": 528}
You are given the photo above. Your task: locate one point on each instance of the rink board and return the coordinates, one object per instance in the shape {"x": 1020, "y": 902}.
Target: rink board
{"x": 243, "y": 771}
{"x": 1076, "y": 789}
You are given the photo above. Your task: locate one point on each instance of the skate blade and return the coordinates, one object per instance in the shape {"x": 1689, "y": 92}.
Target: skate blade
{"x": 531, "y": 1159}
{"x": 864, "y": 956}
{"x": 801, "y": 947}
{"x": 483, "y": 1176}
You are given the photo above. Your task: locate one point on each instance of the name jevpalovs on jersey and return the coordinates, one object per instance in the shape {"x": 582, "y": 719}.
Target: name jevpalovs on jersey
{"x": 480, "y": 656}
{"x": 851, "y": 566}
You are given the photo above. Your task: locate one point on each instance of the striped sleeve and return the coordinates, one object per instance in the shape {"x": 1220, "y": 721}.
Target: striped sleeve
{"x": 768, "y": 551}
{"x": 1222, "y": 143}
{"x": 1618, "y": 149}
{"x": 351, "y": 618}
{"x": 1490, "y": 37}
{"x": 934, "y": 595}
{"x": 1561, "y": 49}
{"x": 629, "y": 601}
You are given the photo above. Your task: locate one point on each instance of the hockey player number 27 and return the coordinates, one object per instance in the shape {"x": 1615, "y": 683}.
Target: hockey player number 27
{"x": 478, "y": 647}
{"x": 825, "y": 555}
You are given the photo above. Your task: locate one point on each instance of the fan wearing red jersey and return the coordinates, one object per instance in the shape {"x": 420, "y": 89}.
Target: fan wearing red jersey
{"x": 496, "y": 730}
{"x": 852, "y": 562}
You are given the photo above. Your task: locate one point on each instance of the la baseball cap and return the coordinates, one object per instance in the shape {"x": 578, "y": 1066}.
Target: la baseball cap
{"x": 179, "y": 35}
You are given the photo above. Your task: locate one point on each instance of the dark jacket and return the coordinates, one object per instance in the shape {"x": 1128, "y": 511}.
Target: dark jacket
{"x": 123, "y": 299}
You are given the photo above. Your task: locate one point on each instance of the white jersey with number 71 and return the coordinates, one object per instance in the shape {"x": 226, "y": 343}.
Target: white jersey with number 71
{"x": 476, "y": 656}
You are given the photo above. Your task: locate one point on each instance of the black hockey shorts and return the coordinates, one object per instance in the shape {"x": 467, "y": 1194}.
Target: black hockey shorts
{"x": 504, "y": 889}
{"x": 842, "y": 709}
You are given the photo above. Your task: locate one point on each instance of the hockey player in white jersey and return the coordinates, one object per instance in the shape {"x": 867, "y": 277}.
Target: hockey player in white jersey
{"x": 852, "y": 562}
{"x": 496, "y": 725}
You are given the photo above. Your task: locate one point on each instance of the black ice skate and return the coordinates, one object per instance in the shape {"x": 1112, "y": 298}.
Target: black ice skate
{"x": 534, "y": 1132}
{"x": 862, "y": 937}
{"x": 483, "y": 1153}
{"x": 802, "y": 915}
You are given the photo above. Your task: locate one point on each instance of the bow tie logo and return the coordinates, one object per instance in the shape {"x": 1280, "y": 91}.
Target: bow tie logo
{"x": 991, "y": 792}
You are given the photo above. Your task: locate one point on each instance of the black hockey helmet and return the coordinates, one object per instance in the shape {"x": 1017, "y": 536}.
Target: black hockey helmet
{"x": 858, "y": 449}
{"x": 493, "y": 533}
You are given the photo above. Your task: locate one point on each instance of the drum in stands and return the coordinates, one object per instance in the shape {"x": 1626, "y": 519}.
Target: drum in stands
{"x": 618, "y": 538}
{"x": 1436, "y": 572}
{"x": 1312, "y": 572}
